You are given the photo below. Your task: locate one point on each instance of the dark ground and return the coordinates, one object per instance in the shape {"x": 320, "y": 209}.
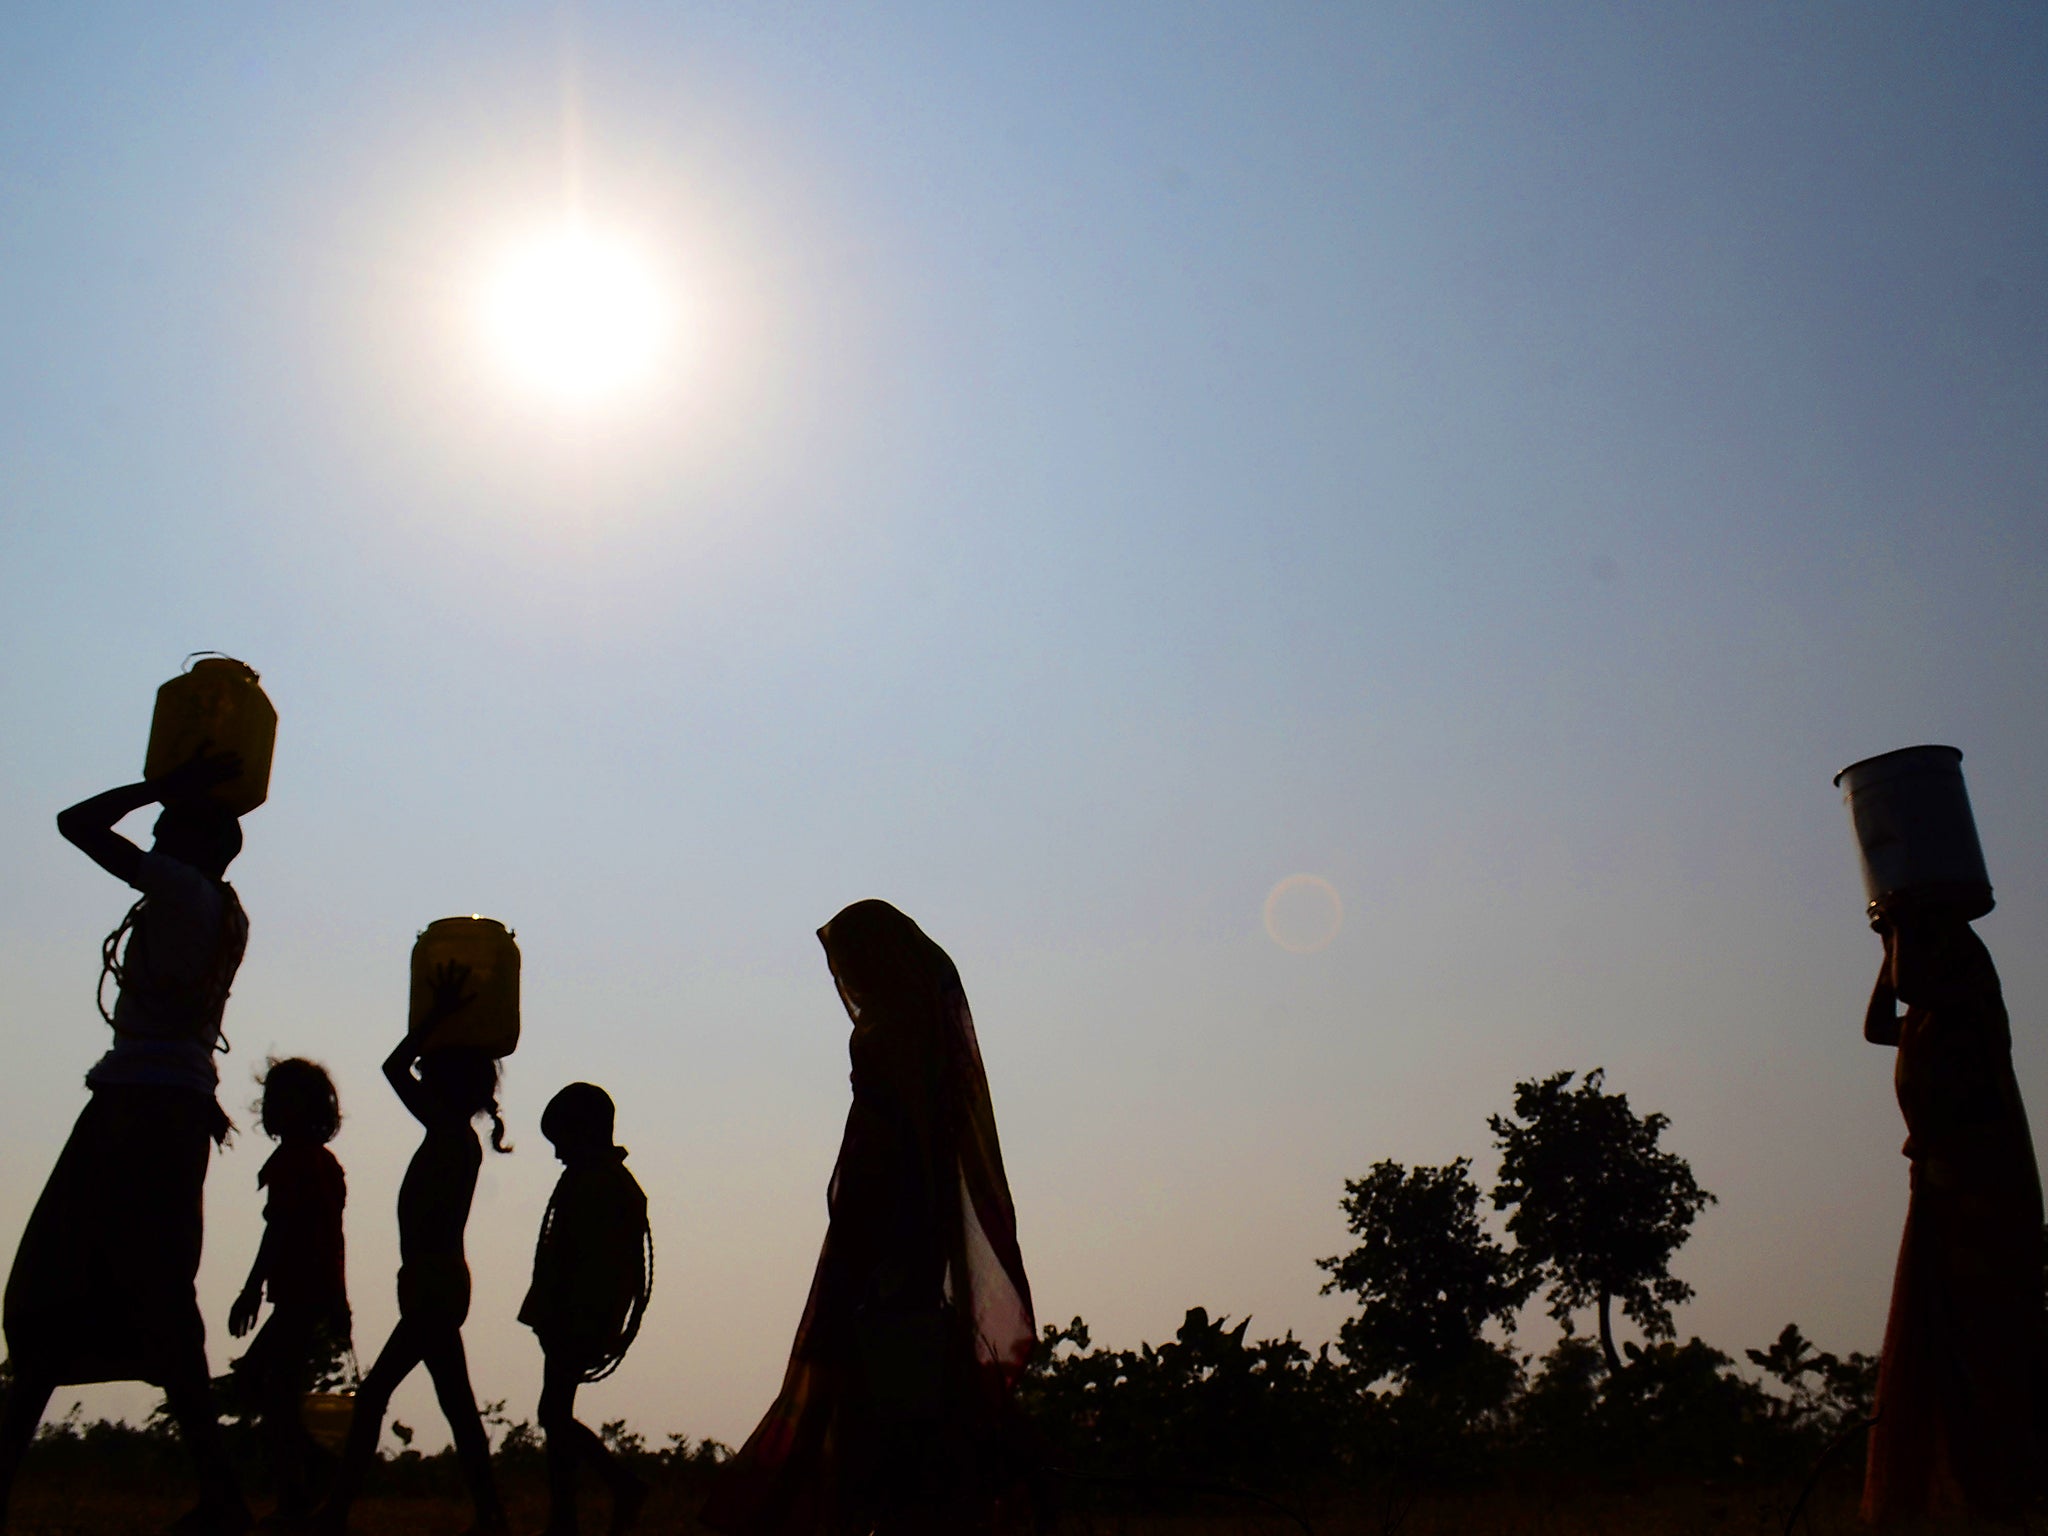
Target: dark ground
{"x": 83, "y": 1506}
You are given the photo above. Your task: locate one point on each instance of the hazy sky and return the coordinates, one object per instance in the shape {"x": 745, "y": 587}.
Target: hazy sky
{"x": 1499, "y": 460}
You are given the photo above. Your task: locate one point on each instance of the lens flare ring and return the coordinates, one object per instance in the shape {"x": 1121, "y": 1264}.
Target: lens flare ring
{"x": 1298, "y": 896}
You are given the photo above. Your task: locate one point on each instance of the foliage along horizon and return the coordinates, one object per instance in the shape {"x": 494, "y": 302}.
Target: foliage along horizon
{"x": 1412, "y": 1391}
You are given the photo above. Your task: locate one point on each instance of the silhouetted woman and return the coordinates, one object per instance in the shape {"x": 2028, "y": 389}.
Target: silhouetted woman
{"x": 896, "y": 1413}
{"x": 453, "y": 1086}
{"x": 1963, "y": 1384}
{"x": 102, "y": 1285}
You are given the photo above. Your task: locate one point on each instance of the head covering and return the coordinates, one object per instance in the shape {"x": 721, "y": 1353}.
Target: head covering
{"x": 914, "y": 1043}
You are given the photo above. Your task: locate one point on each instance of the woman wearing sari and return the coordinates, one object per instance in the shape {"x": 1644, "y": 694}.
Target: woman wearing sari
{"x": 1962, "y": 1388}
{"x": 896, "y": 1412}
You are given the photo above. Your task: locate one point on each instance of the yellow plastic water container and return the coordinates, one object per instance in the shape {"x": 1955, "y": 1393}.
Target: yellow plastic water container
{"x": 490, "y": 1019}
{"x": 327, "y": 1416}
{"x": 220, "y": 705}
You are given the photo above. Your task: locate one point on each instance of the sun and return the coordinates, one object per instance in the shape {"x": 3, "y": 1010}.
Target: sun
{"x": 576, "y": 315}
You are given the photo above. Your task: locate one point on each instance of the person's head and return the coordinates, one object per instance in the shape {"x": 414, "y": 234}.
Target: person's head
{"x": 463, "y": 1080}
{"x": 879, "y": 957}
{"x": 299, "y": 1101}
{"x": 579, "y": 1121}
{"x": 1935, "y": 958}
{"x": 199, "y": 833}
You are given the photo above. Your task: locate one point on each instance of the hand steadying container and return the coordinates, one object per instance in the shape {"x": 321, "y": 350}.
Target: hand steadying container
{"x": 487, "y": 949}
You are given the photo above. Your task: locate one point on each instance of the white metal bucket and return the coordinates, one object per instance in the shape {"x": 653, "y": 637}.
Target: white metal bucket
{"x": 1913, "y": 825}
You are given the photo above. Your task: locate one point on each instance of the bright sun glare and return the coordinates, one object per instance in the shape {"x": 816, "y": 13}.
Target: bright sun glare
{"x": 576, "y": 315}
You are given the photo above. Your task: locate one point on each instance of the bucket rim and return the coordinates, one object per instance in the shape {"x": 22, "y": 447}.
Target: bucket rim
{"x": 1865, "y": 762}
{"x": 467, "y": 918}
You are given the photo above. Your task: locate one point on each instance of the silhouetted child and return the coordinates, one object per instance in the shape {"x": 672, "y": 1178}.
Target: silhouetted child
{"x": 301, "y": 1265}
{"x": 453, "y": 1085}
{"x": 592, "y": 1271}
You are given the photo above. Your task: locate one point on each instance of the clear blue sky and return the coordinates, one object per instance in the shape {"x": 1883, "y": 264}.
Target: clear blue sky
{"x": 1501, "y": 460}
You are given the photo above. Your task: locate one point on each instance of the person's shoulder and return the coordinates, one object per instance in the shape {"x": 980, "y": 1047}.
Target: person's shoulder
{"x": 326, "y": 1167}
{"x": 630, "y": 1186}
{"x": 301, "y": 1162}
{"x": 623, "y": 1194}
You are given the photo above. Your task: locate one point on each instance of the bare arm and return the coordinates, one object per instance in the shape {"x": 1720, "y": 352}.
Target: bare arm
{"x": 398, "y": 1072}
{"x": 89, "y": 825}
{"x": 242, "y": 1316}
{"x": 450, "y": 983}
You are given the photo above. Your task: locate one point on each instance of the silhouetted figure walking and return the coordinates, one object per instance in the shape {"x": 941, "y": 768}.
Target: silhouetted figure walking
{"x": 896, "y": 1413}
{"x": 102, "y": 1285}
{"x": 454, "y": 1085}
{"x": 301, "y": 1264}
{"x": 593, "y": 1269}
{"x": 1962, "y": 1389}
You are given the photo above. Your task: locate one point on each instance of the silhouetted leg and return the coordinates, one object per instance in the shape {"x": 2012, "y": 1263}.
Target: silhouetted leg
{"x": 26, "y": 1399}
{"x": 571, "y": 1443}
{"x": 188, "y": 1393}
{"x": 450, "y": 1369}
{"x": 395, "y": 1361}
{"x": 285, "y": 1362}
{"x": 558, "y": 1422}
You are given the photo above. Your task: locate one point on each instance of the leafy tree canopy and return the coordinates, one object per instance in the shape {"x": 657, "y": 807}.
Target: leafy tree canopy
{"x": 1598, "y": 1207}
{"x": 1428, "y": 1278}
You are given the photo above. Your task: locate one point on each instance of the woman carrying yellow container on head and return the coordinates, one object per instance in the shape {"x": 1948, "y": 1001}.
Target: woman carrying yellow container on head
{"x": 102, "y": 1287}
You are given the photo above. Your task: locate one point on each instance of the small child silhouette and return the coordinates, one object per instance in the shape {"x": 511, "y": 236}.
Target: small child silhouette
{"x": 592, "y": 1271}
{"x": 301, "y": 1265}
{"x": 453, "y": 1085}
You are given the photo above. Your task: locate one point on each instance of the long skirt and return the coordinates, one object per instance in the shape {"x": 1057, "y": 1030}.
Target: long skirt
{"x": 102, "y": 1287}
{"x": 1961, "y": 1388}
{"x": 898, "y": 1429}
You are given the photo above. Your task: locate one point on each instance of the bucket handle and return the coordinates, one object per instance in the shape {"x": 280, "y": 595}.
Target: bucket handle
{"x": 193, "y": 656}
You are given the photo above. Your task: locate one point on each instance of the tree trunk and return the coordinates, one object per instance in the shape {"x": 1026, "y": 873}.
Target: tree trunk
{"x": 1607, "y": 1336}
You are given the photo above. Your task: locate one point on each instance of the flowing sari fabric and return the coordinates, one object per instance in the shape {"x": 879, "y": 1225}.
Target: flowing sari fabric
{"x": 1963, "y": 1384}
{"x": 896, "y": 1411}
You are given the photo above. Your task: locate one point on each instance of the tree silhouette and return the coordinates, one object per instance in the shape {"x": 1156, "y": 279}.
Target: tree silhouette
{"x": 1428, "y": 1278}
{"x": 1598, "y": 1208}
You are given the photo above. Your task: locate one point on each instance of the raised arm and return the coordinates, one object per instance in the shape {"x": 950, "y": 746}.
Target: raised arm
{"x": 398, "y": 1072}
{"x": 451, "y": 995}
{"x": 89, "y": 825}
